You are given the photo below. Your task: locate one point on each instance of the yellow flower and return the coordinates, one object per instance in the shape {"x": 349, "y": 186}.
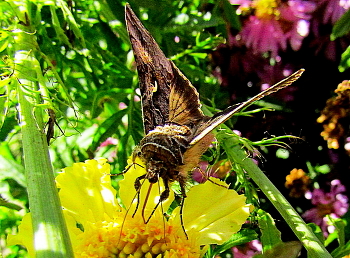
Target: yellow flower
{"x": 211, "y": 214}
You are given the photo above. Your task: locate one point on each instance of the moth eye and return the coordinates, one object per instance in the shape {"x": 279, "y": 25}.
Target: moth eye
{"x": 139, "y": 154}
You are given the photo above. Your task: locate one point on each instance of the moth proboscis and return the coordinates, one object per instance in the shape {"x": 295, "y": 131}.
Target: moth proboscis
{"x": 177, "y": 132}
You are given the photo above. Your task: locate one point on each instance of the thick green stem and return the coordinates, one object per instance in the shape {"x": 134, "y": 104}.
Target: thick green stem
{"x": 238, "y": 156}
{"x": 51, "y": 237}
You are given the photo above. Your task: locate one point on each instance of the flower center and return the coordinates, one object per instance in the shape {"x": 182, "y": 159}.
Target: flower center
{"x": 267, "y": 9}
{"x": 133, "y": 237}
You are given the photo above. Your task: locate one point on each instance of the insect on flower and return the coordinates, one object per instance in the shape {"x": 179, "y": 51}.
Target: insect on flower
{"x": 177, "y": 131}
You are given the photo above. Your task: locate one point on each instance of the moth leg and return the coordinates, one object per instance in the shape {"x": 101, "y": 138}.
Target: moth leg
{"x": 127, "y": 169}
{"x": 182, "y": 183}
{"x": 164, "y": 195}
{"x": 137, "y": 185}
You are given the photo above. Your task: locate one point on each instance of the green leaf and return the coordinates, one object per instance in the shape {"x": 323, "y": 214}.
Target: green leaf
{"x": 9, "y": 168}
{"x": 341, "y": 251}
{"x": 342, "y": 26}
{"x": 3, "y": 44}
{"x": 5, "y": 81}
{"x": 345, "y": 60}
{"x": 107, "y": 128}
{"x": 270, "y": 235}
{"x": 339, "y": 232}
{"x": 317, "y": 231}
{"x": 230, "y": 14}
{"x": 240, "y": 238}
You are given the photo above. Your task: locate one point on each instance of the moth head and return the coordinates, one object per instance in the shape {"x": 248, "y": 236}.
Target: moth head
{"x": 137, "y": 154}
{"x": 154, "y": 168}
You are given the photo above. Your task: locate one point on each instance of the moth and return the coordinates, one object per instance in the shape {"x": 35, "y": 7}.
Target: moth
{"x": 177, "y": 132}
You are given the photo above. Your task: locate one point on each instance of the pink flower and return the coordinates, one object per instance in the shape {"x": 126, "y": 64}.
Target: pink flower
{"x": 334, "y": 9}
{"x": 249, "y": 250}
{"x": 199, "y": 174}
{"x": 298, "y": 13}
{"x": 109, "y": 141}
{"x": 264, "y": 36}
{"x": 333, "y": 203}
{"x": 275, "y": 24}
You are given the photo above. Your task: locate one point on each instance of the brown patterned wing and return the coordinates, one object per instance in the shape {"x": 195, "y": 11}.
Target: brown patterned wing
{"x": 184, "y": 105}
{"x": 155, "y": 72}
{"x": 167, "y": 96}
{"x": 221, "y": 117}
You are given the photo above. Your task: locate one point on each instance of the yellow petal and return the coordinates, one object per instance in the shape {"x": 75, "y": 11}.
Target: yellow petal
{"x": 129, "y": 196}
{"x": 214, "y": 211}
{"x": 86, "y": 191}
{"x": 24, "y": 236}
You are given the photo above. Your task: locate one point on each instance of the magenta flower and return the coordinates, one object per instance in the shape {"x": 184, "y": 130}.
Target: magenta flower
{"x": 333, "y": 203}
{"x": 199, "y": 174}
{"x": 249, "y": 250}
{"x": 109, "y": 141}
{"x": 334, "y": 9}
{"x": 275, "y": 24}
{"x": 264, "y": 36}
{"x": 298, "y": 14}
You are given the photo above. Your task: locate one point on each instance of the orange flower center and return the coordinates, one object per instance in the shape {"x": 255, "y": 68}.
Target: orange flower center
{"x": 133, "y": 237}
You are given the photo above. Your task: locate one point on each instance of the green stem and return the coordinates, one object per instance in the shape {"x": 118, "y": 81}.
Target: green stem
{"x": 51, "y": 237}
{"x": 237, "y": 155}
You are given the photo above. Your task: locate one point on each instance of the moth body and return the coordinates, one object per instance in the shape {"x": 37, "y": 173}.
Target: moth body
{"x": 162, "y": 150}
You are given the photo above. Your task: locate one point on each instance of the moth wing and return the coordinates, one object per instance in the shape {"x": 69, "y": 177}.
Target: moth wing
{"x": 221, "y": 117}
{"x": 193, "y": 154}
{"x": 155, "y": 72}
{"x": 184, "y": 105}
{"x": 167, "y": 95}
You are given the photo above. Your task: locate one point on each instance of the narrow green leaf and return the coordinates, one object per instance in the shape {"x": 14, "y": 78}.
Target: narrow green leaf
{"x": 342, "y": 26}
{"x": 107, "y": 128}
{"x": 341, "y": 251}
{"x": 240, "y": 238}
{"x": 230, "y": 14}
{"x": 238, "y": 157}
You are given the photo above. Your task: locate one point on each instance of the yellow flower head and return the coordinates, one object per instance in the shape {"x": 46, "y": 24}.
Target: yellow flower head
{"x": 266, "y": 9}
{"x": 101, "y": 227}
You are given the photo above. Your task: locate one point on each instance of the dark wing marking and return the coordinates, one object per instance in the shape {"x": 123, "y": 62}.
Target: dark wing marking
{"x": 184, "y": 105}
{"x": 155, "y": 72}
{"x": 221, "y": 117}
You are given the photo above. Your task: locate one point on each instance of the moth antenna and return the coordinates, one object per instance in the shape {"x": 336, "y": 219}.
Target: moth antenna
{"x": 274, "y": 88}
